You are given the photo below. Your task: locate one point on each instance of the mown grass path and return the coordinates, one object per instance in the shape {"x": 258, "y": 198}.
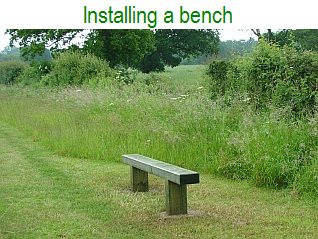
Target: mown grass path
{"x": 46, "y": 196}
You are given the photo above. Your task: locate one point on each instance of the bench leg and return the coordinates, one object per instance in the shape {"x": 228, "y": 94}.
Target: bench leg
{"x": 176, "y": 198}
{"x": 139, "y": 180}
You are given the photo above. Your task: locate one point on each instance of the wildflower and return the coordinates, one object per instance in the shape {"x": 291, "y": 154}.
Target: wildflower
{"x": 247, "y": 99}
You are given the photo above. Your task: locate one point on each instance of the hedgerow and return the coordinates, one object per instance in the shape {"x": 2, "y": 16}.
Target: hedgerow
{"x": 270, "y": 75}
{"x": 10, "y": 70}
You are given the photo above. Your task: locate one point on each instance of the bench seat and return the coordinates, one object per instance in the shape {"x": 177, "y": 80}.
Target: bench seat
{"x": 168, "y": 171}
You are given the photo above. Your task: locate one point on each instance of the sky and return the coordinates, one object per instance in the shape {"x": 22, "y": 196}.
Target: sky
{"x": 225, "y": 35}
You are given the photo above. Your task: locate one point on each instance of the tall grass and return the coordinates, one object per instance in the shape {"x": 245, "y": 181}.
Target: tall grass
{"x": 181, "y": 126}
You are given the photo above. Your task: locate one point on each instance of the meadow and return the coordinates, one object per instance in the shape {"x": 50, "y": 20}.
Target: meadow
{"x": 61, "y": 152}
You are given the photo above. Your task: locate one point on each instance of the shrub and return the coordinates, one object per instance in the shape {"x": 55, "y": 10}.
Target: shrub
{"x": 299, "y": 86}
{"x": 125, "y": 75}
{"x": 75, "y": 68}
{"x": 10, "y": 70}
{"x": 217, "y": 72}
{"x": 284, "y": 77}
{"x": 35, "y": 72}
{"x": 266, "y": 69}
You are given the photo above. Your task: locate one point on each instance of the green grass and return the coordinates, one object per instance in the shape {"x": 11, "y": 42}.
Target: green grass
{"x": 43, "y": 195}
{"x": 174, "y": 121}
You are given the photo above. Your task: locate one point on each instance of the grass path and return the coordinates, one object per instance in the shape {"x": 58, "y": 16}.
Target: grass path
{"x": 47, "y": 196}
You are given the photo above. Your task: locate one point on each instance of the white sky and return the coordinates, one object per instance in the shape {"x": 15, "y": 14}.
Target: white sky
{"x": 225, "y": 35}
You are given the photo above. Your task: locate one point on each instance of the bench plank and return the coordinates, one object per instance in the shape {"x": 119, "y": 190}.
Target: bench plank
{"x": 168, "y": 171}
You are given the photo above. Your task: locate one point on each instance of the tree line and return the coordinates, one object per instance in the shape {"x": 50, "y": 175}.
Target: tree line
{"x": 148, "y": 50}
{"x": 144, "y": 50}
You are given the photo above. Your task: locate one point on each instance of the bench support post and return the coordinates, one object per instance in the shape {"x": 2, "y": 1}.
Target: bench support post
{"x": 139, "y": 180}
{"x": 176, "y": 198}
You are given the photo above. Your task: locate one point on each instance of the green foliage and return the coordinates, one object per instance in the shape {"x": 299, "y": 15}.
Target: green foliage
{"x": 10, "y": 70}
{"x": 229, "y": 49}
{"x": 171, "y": 46}
{"x": 284, "y": 77}
{"x": 14, "y": 53}
{"x": 217, "y": 71}
{"x": 34, "y": 73}
{"x": 120, "y": 47}
{"x": 266, "y": 69}
{"x": 125, "y": 75}
{"x": 170, "y": 116}
{"x": 34, "y": 41}
{"x": 140, "y": 49}
{"x": 305, "y": 39}
{"x": 152, "y": 62}
{"x": 10, "y": 54}
{"x": 299, "y": 86}
{"x": 75, "y": 68}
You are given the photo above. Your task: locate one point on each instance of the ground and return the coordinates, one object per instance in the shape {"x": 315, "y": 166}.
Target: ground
{"x": 43, "y": 195}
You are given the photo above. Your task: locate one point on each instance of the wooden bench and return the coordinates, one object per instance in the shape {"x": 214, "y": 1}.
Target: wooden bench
{"x": 176, "y": 180}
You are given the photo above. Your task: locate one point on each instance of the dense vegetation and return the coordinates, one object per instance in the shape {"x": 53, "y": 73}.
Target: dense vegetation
{"x": 145, "y": 50}
{"x": 226, "y": 50}
{"x": 270, "y": 76}
{"x": 253, "y": 117}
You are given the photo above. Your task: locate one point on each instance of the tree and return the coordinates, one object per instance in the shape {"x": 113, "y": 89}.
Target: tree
{"x": 125, "y": 47}
{"x": 14, "y": 53}
{"x": 306, "y": 39}
{"x": 171, "y": 46}
{"x": 35, "y": 41}
{"x": 232, "y": 48}
{"x": 10, "y": 54}
{"x": 120, "y": 47}
{"x": 144, "y": 49}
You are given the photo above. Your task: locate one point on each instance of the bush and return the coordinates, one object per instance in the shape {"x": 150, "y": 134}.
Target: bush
{"x": 283, "y": 77}
{"x": 34, "y": 73}
{"x": 217, "y": 71}
{"x": 75, "y": 68}
{"x": 125, "y": 75}
{"x": 299, "y": 86}
{"x": 10, "y": 70}
{"x": 265, "y": 71}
